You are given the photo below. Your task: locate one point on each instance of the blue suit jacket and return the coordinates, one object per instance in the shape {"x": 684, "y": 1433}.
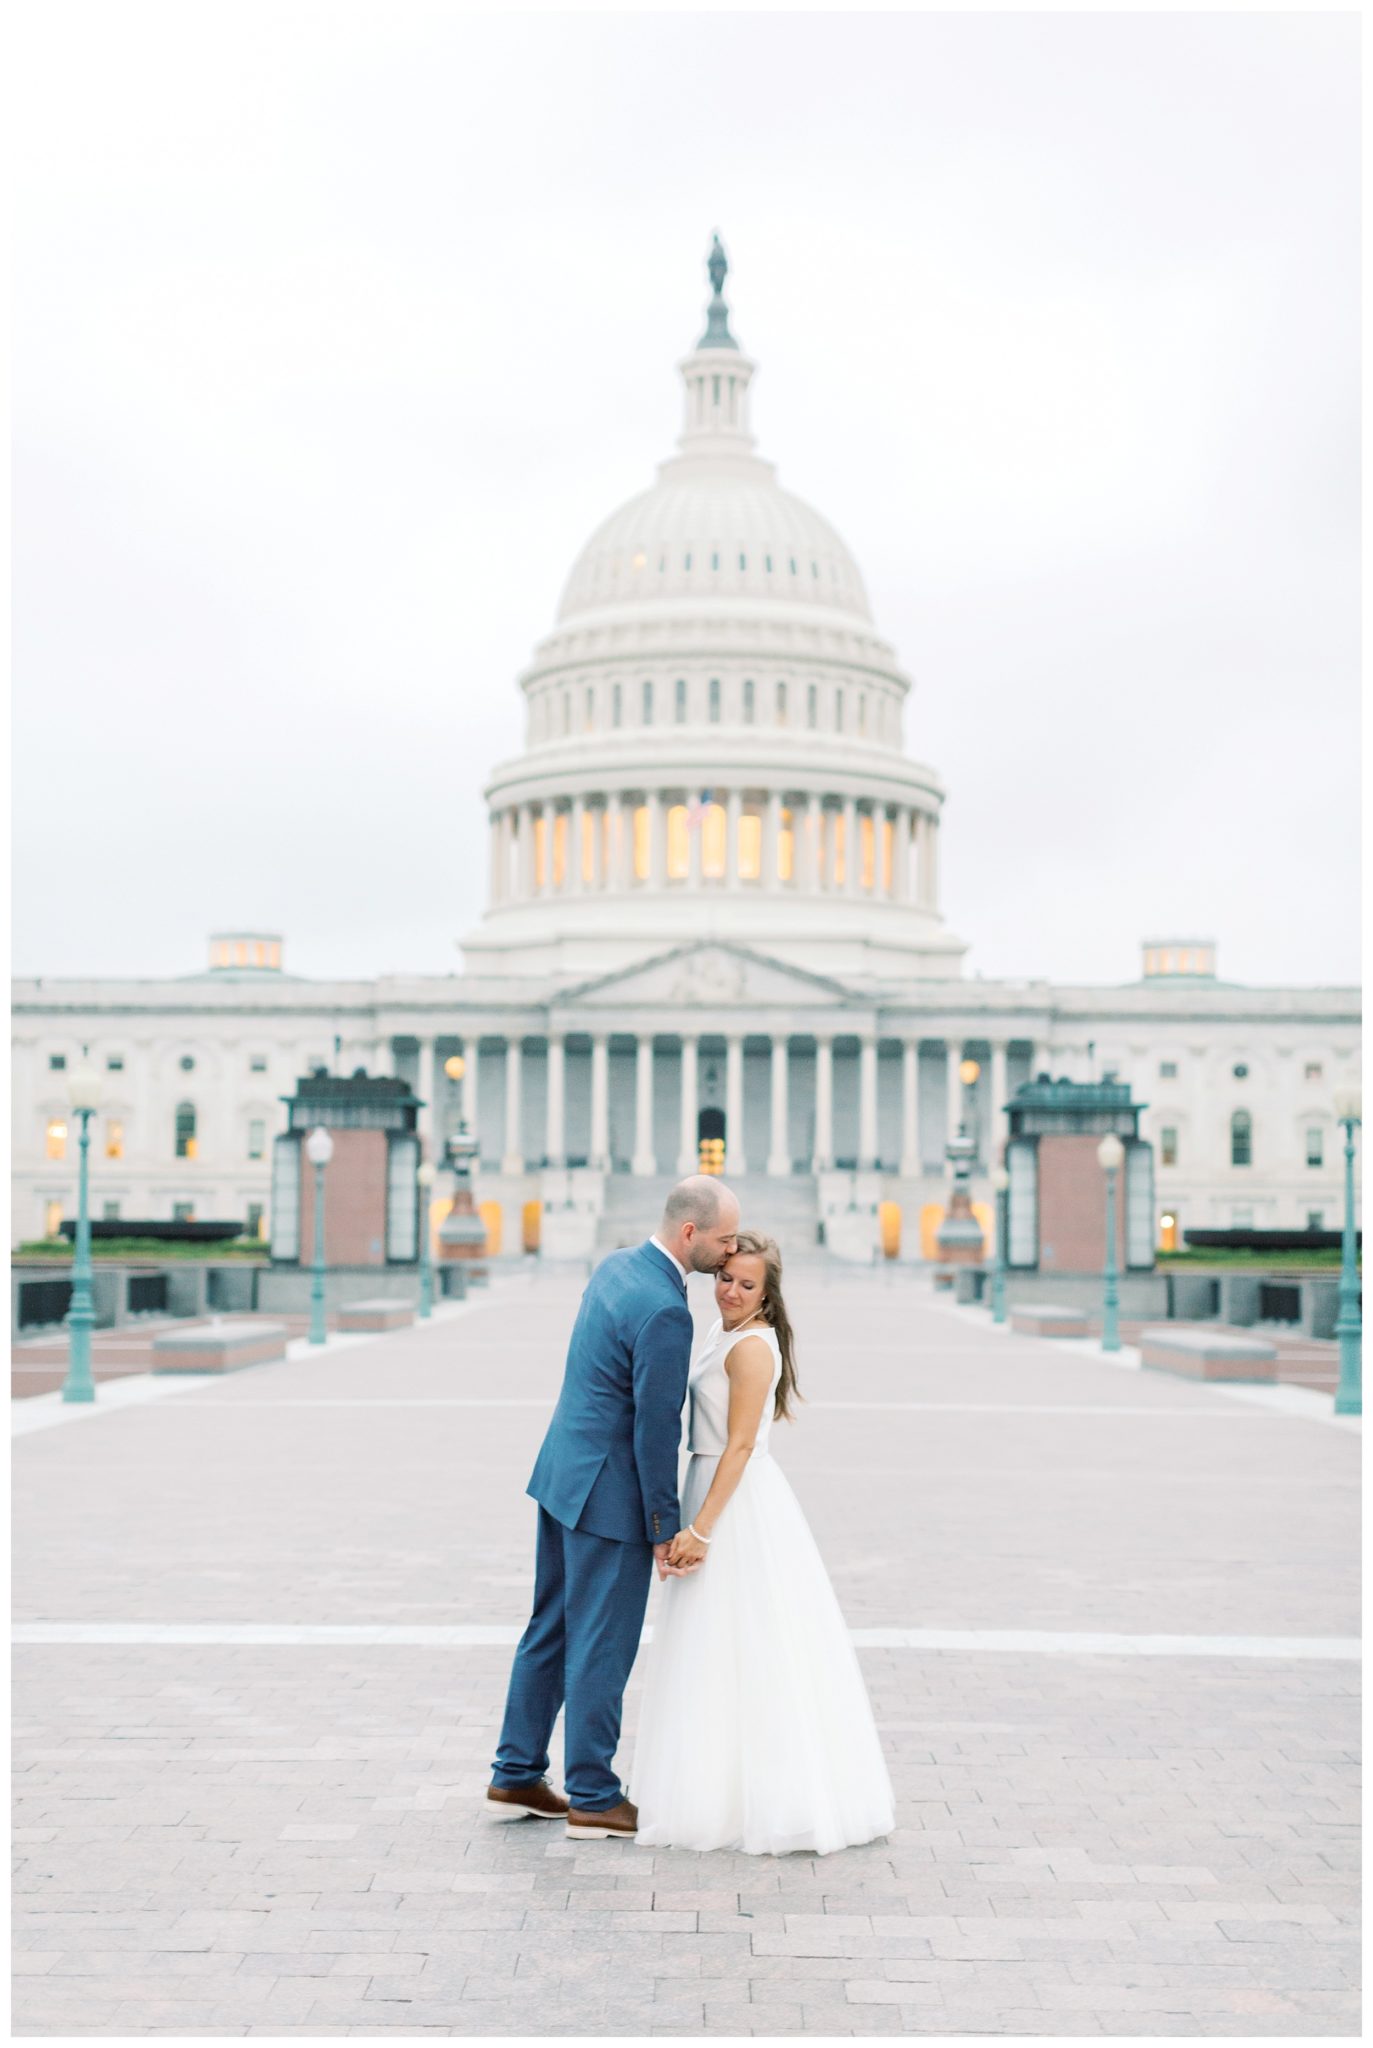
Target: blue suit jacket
{"x": 609, "y": 1461}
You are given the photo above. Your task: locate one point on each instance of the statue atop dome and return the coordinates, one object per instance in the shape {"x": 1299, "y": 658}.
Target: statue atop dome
{"x": 717, "y": 334}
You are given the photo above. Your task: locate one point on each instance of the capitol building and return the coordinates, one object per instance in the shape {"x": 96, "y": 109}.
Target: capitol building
{"x": 713, "y": 931}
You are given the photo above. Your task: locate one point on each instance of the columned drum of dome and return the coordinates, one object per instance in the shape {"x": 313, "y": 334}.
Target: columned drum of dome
{"x": 714, "y": 733}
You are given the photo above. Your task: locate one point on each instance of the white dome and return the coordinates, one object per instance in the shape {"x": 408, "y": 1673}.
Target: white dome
{"x": 725, "y": 530}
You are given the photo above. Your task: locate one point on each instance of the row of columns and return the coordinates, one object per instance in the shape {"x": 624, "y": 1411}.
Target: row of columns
{"x": 778, "y": 1160}
{"x": 515, "y": 868}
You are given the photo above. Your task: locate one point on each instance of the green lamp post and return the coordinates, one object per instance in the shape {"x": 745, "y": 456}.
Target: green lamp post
{"x": 1349, "y": 1322}
{"x": 424, "y": 1174}
{"x": 1111, "y": 1154}
{"x": 1001, "y": 1181}
{"x": 319, "y": 1148}
{"x": 83, "y": 1093}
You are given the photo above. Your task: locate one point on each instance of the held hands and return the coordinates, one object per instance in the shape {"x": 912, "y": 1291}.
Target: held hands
{"x": 686, "y": 1553}
{"x": 662, "y": 1558}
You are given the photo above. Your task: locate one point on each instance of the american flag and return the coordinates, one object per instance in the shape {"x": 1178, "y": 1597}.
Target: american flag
{"x": 698, "y": 807}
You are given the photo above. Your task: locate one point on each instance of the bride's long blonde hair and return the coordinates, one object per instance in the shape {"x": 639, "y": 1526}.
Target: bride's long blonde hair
{"x": 773, "y": 1311}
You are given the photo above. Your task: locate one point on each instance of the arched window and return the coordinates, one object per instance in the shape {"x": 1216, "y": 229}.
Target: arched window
{"x": 185, "y": 1130}
{"x": 56, "y": 1138}
{"x": 781, "y": 703}
{"x": 567, "y": 711}
{"x": 1241, "y": 1138}
{"x": 648, "y": 704}
{"x": 748, "y": 700}
{"x": 812, "y": 706}
{"x": 681, "y": 700}
{"x": 114, "y": 1137}
{"x": 839, "y": 710}
{"x": 715, "y": 700}
{"x": 589, "y": 708}
{"x": 616, "y": 704}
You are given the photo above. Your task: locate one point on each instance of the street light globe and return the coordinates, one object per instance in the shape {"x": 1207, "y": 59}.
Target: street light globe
{"x": 1349, "y": 1105}
{"x": 1001, "y": 1180}
{"x": 84, "y": 1087}
{"x": 1110, "y": 1152}
{"x": 455, "y": 1067}
{"x": 968, "y": 1072}
{"x": 319, "y": 1146}
{"x": 424, "y": 1173}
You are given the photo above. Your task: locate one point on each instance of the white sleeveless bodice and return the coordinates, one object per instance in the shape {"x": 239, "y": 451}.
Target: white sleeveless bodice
{"x": 709, "y": 1384}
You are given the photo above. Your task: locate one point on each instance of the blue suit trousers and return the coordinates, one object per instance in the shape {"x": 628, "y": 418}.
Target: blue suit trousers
{"x": 590, "y": 1594}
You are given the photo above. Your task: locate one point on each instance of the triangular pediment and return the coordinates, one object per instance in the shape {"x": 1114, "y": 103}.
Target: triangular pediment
{"x": 709, "y": 974}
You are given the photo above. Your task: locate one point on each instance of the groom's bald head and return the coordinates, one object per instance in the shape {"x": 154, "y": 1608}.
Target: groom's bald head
{"x": 700, "y": 1222}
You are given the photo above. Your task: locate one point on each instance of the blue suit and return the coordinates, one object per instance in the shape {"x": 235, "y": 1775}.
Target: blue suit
{"x": 606, "y": 1484}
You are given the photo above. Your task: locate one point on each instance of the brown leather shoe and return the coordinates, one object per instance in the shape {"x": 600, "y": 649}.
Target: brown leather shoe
{"x": 621, "y": 1821}
{"x": 516, "y": 1802}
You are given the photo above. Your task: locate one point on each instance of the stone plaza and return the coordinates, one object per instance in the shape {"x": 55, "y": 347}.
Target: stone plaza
{"x": 1108, "y": 1619}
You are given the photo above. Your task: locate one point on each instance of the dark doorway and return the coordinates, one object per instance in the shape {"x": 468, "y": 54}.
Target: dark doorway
{"x": 710, "y": 1141}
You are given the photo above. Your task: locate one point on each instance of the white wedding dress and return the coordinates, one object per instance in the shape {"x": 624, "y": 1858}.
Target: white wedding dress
{"x": 756, "y": 1731}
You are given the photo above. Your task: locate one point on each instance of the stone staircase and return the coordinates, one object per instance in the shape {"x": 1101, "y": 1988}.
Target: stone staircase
{"x": 786, "y": 1209}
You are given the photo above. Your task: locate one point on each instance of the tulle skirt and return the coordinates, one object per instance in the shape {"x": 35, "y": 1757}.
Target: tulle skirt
{"x": 756, "y": 1732}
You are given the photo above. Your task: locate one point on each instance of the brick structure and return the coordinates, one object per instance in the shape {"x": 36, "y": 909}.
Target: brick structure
{"x": 354, "y": 1202}
{"x": 1056, "y": 1201}
{"x": 371, "y": 1197}
{"x": 1072, "y": 1206}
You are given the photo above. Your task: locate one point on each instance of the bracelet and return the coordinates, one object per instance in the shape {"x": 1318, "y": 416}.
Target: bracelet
{"x": 694, "y": 1531}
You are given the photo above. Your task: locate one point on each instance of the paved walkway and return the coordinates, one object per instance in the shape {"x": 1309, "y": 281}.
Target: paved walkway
{"x": 1105, "y": 1615}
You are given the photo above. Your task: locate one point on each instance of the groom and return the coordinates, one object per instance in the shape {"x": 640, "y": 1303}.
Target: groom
{"x": 606, "y": 1485}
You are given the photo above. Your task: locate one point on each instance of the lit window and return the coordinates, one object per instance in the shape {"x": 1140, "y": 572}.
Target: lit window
{"x": 888, "y": 855}
{"x": 678, "y": 847}
{"x": 52, "y": 1219}
{"x": 812, "y": 706}
{"x": 786, "y": 847}
{"x": 867, "y": 850}
{"x": 56, "y": 1138}
{"x": 1241, "y": 1139}
{"x": 274, "y": 955}
{"x": 540, "y": 850}
{"x": 748, "y": 700}
{"x": 681, "y": 700}
{"x": 750, "y": 846}
{"x": 559, "y": 848}
{"x": 259, "y": 953}
{"x": 838, "y": 829}
{"x": 257, "y": 1138}
{"x": 1314, "y": 1070}
{"x": 1167, "y": 1070}
{"x": 185, "y": 1130}
{"x": 642, "y": 850}
{"x": 114, "y": 1138}
{"x": 588, "y": 846}
{"x": 115, "y": 1063}
{"x": 1168, "y": 1146}
{"x": 715, "y": 700}
{"x": 647, "y": 707}
{"x": 1315, "y": 1145}
{"x": 57, "y": 1061}
{"x": 714, "y": 841}
{"x": 1241, "y": 1072}
{"x": 616, "y": 704}
{"x": 781, "y": 703}
{"x": 258, "y": 1063}
{"x": 240, "y": 952}
{"x": 640, "y": 560}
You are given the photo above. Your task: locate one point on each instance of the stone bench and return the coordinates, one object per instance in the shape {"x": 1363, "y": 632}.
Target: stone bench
{"x": 218, "y": 1347}
{"x": 376, "y": 1315}
{"x": 1207, "y": 1354}
{"x": 1046, "y": 1320}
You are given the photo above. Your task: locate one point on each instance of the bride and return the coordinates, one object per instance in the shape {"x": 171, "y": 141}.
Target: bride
{"x": 756, "y": 1732}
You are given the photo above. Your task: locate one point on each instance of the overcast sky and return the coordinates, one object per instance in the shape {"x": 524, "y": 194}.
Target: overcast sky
{"x": 338, "y": 329}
